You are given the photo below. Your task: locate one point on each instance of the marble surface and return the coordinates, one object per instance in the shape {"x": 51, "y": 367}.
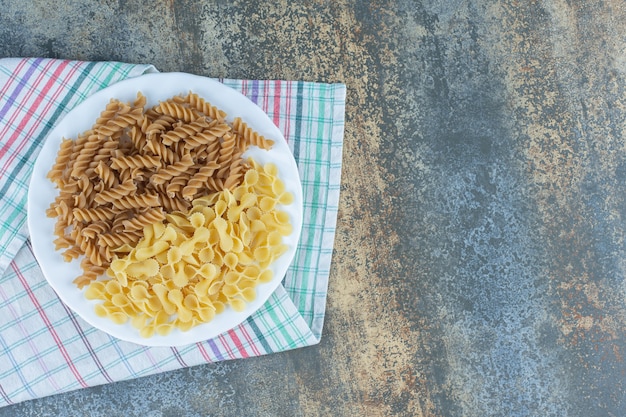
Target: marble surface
{"x": 480, "y": 255}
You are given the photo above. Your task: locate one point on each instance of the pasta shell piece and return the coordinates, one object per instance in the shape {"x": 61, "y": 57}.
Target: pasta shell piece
{"x": 191, "y": 302}
{"x": 180, "y": 279}
{"x": 187, "y": 247}
{"x": 274, "y": 238}
{"x": 238, "y": 304}
{"x": 119, "y": 300}
{"x": 161, "y": 258}
{"x": 185, "y": 315}
{"x": 206, "y": 314}
{"x": 248, "y": 200}
{"x": 262, "y": 254}
{"x": 161, "y": 292}
{"x": 230, "y": 290}
{"x": 118, "y": 317}
{"x": 178, "y": 219}
{"x": 201, "y": 289}
{"x": 197, "y": 220}
{"x": 278, "y": 187}
{"x": 286, "y": 198}
{"x": 95, "y": 291}
{"x": 215, "y": 288}
{"x": 220, "y": 208}
{"x": 266, "y": 276}
{"x": 257, "y": 226}
{"x": 248, "y": 294}
{"x": 206, "y": 201}
{"x": 214, "y": 238}
{"x": 145, "y": 253}
{"x": 246, "y": 283}
{"x": 231, "y": 260}
{"x": 185, "y": 326}
{"x": 101, "y": 310}
{"x": 168, "y": 271}
{"x": 218, "y": 259}
{"x": 246, "y": 257}
{"x": 201, "y": 234}
{"x": 192, "y": 260}
{"x": 147, "y": 332}
{"x": 265, "y": 180}
{"x": 232, "y": 278}
{"x": 251, "y": 272}
{"x": 282, "y": 217}
{"x": 130, "y": 309}
{"x": 144, "y": 268}
{"x": 176, "y": 298}
{"x": 267, "y": 203}
{"x": 174, "y": 255}
{"x": 226, "y": 242}
{"x": 169, "y": 234}
{"x": 139, "y": 292}
{"x": 254, "y": 213}
{"x": 113, "y": 287}
{"x": 164, "y": 329}
{"x": 219, "y": 307}
{"x": 126, "y": 247}
{"x": 154, "y": 304}
{"x": 270, "y": 169}
{"x": 206, "y": 254}
{"x": 139, "y": 321}
{"x": 238, "y": 245}
{"x": 251, "y": 177}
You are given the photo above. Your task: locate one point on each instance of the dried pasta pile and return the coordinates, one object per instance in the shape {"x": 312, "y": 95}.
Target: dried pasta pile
{"x": 186, "y": 269}
{"x": 161, "y": 200}
{"x": 134, "y": 166}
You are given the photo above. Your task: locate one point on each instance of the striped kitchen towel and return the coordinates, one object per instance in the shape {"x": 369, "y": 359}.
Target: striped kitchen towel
{"x": 44, "y": 347}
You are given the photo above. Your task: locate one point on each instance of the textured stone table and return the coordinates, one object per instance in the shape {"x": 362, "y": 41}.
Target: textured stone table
{"x": 480, "y": 254}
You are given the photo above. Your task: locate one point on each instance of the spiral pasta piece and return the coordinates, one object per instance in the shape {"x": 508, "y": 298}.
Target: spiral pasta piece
{"x": 236, "y": 173}
{"x": 119, "y": 122}
{"x": 200, "y": 104}
{"x": 250, "y": 135}
{"x": 85, "y": 156}
{"x": 93, "y": 230}
{"x": 106, "y": 175}
{"x": 198, "y": 180}
{"x": 174, "y": 203}
{"x": 115, "y": 240}
{"x": 93, "y": 214}
{"x": 175, "y": 186}
{"x": 112, "y": 108}
{"x": 170, "y": 171}
{"x": 158, "y": 148}
{"x": 132, "y": 202}
{"x": 176, "y": 110}
{"x": 135, "y": 161}
{"x": 143, "y": 219}
{"x": 184, "y": 131}
{"x": 108, "y": 196}
{"x": 63, "y": 157}
{"x": 225, "y": 156}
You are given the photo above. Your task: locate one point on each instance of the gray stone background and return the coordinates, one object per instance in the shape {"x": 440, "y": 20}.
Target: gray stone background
{"x": 479, "y": 259}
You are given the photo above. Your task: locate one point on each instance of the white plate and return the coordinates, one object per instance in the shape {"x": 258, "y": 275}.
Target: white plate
{"x": 156, "y": 87}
